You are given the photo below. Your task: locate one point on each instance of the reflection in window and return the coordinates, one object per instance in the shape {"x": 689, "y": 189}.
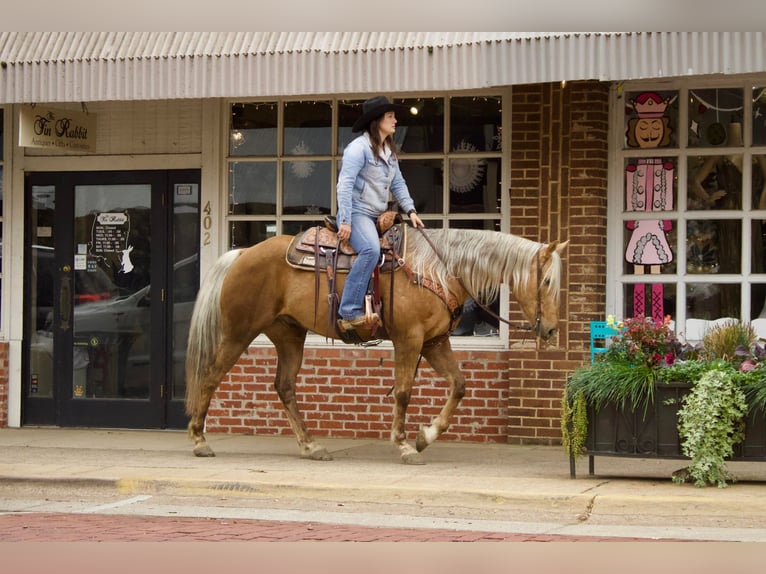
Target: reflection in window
{"x": 247, "y": 233}
{"x": 307, "y": 128}
{"x": 713, "y": 246}
{"x": 475, "y": 124}
{"x": 712, "y": 300}
{"x": 420, "y": 127}
{"x": 474, "y": 184}
{"x": 253, "y": 129}
{"x": 307, "y": 187}
{"x": 252, "y": 188}
{"x": 424, "y": 180}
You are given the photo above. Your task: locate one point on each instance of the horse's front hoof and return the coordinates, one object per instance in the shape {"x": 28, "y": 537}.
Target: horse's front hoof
{"x": 413, "y": 458}
{"x": 203, "y": 450}
{"x": 318, "y": 454}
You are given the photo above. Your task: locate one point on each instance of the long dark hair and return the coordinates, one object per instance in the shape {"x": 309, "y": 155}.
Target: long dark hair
{"x": 377, "y": 144}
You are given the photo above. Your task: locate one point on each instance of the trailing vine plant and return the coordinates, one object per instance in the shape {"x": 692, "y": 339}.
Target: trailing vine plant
{"x": 710, "y": 423}
{"x": 574, "y": 423}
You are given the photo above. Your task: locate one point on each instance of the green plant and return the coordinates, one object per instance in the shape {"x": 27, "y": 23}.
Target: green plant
{"x": 723, "y": 341}
{"x": 710, "y": 423}
{"x": 574, "y": 423}
{"x": 616, "y": 380}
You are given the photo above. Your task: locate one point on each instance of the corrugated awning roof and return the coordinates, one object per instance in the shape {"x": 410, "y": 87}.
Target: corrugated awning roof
{"x": 96, "y": 66}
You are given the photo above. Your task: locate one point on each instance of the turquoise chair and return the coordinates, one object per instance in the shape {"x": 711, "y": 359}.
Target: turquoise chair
{"x": 600, "y": 332}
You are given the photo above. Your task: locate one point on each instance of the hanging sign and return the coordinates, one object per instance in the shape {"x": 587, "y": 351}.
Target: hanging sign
{"x": 70, "y": 130}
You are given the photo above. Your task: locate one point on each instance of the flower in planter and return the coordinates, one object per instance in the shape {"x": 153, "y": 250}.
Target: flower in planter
{"x": 642, "y": 340}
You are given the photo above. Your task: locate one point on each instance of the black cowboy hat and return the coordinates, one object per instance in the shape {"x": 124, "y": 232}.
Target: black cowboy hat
{"x": 373, "y": 109}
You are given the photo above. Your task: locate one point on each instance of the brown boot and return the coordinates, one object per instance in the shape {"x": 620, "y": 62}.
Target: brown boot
{"x": 360, "y": 324}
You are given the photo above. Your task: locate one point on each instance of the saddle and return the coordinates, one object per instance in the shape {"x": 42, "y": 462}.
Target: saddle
{"x": 315, "y": 247}
{"x": 318, "y": 249}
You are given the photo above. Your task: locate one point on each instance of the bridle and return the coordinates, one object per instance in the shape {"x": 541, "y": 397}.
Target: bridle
{"x": 539, "y": 306}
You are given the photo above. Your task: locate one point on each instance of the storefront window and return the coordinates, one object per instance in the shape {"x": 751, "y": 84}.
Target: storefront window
{"x": 284, "y": 158}
{"x": 693, "y": 246}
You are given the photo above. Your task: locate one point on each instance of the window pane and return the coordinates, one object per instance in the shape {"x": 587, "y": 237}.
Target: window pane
{"x": 650, "y": 246}
{"x": 488, "y": 224}
{"x": 253, "y": 188}
{"x": 758, "y": 259}
{"x": 475, "y": 124}
{"x": 758, "y": 301}
{"x": 247, "y": 233}
{"x": 308, "y": 128}
{"x": 655, "y": 300}
{"x": 253, "y": 129}
{"x": 1, "y": 190}
{"x": 759, "y": 182}
{"x": 424, "y": 180}
{"x": 712, "y": 301}
{"x": 715, "y": 182}
{"x": 348, "y": 112}
{"x": 759, "y": 116}
{"x": 650, "y": 184}
{"x": 296, "y": 227}
{"x": 651, "y": 119}
{"x": 474, "y": 184}
{"x": 421, "y": 130}
{"x": 715, "y": 117}
{"x": 713, "y": 246}
{"x": 306, "y": 186}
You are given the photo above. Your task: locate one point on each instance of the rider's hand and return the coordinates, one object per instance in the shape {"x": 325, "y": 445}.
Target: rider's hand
{"x": 416, "y": 221}
{"x": 344, "y": 232}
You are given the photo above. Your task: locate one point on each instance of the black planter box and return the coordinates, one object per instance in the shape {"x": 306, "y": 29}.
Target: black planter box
{"x": 652, "y": 432}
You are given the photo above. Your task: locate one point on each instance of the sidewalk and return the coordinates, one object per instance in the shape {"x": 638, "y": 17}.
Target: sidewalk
{"x": 465, "y": 486}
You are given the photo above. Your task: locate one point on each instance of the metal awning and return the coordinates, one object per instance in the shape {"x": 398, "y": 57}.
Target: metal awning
{"x": 100, "y": 66}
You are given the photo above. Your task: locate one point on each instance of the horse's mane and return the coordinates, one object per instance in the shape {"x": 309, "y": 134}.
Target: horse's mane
{"x": 483, "y": 260}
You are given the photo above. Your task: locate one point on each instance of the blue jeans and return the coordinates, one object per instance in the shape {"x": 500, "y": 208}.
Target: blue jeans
{"x": 365, "y": 241}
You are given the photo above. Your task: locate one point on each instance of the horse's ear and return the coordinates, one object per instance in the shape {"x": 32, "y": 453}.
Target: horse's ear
{"x": 556, "y": 246}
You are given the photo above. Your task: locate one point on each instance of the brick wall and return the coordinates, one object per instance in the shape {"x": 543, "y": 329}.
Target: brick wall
{"x": 558, "y": 191}
{"x": 344, "y": 392}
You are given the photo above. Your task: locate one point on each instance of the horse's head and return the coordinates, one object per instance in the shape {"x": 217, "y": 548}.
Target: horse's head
{"x": 539, "y": 297}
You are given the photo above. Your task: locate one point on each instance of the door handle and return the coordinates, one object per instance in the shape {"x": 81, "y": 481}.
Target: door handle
{"x": 65, "y": 299}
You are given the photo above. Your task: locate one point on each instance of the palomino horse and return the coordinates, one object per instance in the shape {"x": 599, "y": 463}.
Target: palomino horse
{"x": 254, "y": 290}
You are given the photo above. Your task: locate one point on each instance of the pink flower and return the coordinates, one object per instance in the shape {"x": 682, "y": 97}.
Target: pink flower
{"x": 747, "y": 365}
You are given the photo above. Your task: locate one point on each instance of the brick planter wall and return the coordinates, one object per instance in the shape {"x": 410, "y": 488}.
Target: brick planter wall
{"x": 558, "y": 191}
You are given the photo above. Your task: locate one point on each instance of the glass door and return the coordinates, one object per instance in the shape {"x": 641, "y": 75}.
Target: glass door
{"x": 103, "y": 335}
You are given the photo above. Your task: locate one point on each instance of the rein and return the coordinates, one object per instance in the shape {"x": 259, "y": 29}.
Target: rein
{"x": 538, "y": 316}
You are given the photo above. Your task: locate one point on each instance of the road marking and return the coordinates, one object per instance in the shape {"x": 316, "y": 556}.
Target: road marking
{"x": 113, "y": 505}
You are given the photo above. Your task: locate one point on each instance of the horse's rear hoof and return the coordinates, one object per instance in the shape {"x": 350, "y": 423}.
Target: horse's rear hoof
{"x": 318, "y": 454}
{"x": 413, "y": 458}
{"x": 203, "y": 450}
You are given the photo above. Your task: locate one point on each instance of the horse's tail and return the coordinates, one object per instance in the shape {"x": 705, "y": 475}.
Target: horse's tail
{"x": 205, "y": 329}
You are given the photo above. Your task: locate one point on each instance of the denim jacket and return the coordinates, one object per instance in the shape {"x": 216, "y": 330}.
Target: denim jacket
{"x": 364, "y": 182}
